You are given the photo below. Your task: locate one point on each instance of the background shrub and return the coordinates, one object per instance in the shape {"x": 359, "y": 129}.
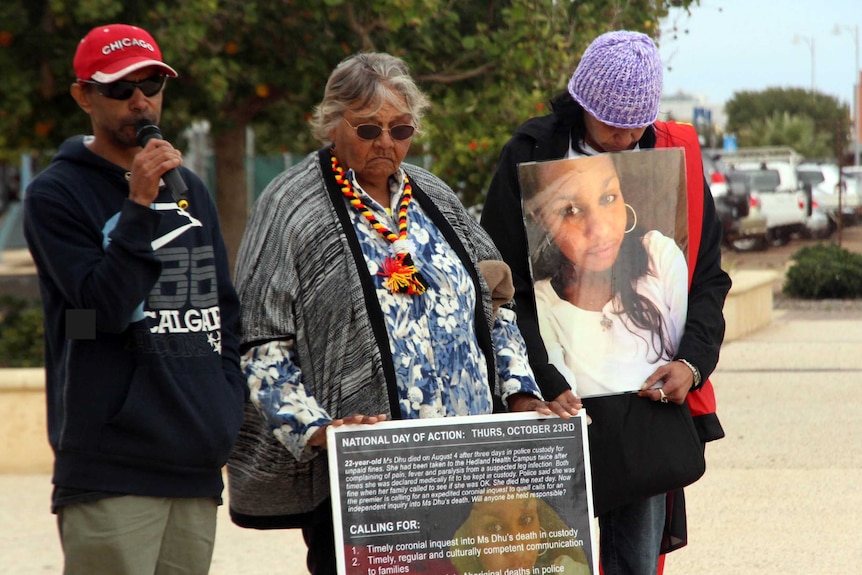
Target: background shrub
{"x": 824, "y": 271}
{"x": 22, "y": 341}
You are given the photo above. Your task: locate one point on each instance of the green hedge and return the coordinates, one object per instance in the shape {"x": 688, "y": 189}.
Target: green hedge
{"x": 824, "y": 271}
{"x": 22, "y": 342}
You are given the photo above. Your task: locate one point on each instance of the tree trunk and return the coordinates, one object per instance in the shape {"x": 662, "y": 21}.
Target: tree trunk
{"x": 231, "y": 188}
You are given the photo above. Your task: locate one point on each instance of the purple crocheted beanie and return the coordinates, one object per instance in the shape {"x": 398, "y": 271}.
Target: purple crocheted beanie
{"x": 619, "y": 80}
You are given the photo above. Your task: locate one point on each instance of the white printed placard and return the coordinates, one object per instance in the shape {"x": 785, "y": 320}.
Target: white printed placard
{"x": 505, "y": 494}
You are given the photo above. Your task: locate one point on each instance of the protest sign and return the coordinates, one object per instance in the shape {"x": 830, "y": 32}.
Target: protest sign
{"x": 507, "y": 494}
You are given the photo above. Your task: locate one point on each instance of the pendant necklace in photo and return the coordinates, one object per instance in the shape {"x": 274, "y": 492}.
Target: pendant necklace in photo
{"x": 599, "y": 304}
{"x": 400, "y": 272}
{"x": 606, "y": 322}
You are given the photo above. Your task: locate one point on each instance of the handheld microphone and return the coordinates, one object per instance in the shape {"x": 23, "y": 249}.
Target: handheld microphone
{"x": 147, "y": 131}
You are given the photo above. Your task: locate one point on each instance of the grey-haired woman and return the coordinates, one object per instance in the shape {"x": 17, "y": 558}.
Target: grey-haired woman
{"x": 362, "y": 300}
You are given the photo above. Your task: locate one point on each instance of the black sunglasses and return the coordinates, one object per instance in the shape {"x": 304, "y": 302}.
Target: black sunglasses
{"x": 123, "y": 89}
{"x": 373, "y": 131}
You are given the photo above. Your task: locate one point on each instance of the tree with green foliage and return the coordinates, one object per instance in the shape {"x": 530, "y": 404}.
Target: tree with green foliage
{"x": 815, "y": 125}
{"x": 487, "y": 65}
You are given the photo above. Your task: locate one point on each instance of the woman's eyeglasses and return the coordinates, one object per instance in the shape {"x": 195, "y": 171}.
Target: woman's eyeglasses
{"x": 123, "y": 89}
{"x": 373, "y": 131}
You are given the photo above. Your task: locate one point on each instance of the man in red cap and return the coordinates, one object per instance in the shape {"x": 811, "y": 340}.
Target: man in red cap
{"x": 145, "y": 394}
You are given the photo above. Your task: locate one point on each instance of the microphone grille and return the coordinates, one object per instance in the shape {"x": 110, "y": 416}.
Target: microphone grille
{"x": 145, "y": 131}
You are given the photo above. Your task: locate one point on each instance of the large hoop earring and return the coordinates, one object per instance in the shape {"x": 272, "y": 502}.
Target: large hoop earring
{"x": 635, "y": 216}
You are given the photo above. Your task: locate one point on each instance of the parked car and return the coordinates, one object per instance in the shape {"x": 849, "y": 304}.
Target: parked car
{"x": 852, "y": 179}
{"x": 742, "y": 229}
{"x": 777, "y": 195}
{"x": 825, "y": 180}
{"x": 714, "y": 170}
{"x": 853, "y": 176}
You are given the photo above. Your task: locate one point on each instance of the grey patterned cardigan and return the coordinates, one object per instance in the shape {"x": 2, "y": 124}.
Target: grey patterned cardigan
{"x": 301, "y": 276}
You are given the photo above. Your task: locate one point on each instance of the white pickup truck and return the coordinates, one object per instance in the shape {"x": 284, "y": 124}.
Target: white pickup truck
{"x": 825, "y": 179}
{"x": 776, "y": 192}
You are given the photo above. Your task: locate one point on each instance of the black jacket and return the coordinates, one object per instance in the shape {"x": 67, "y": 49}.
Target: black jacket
{"x": 144, "y": 388}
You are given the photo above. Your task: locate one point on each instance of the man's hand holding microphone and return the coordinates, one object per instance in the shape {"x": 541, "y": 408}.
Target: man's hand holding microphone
{"x": 158, "y": 160}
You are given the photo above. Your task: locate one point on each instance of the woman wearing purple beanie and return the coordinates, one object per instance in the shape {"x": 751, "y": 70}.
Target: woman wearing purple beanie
{"x": 612, "y": 105}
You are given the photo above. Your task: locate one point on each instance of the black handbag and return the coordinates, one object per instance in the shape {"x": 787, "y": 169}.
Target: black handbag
{"x": 640, "y": 448}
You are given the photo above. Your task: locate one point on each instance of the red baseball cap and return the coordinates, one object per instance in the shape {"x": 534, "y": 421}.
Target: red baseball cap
{"x": 107, "y": 53}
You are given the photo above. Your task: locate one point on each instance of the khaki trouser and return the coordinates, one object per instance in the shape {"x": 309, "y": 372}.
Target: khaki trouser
{"x": 132, "y": 535}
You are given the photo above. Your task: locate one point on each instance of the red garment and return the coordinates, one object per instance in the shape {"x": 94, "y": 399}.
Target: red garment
{"x": 676, "y": 135}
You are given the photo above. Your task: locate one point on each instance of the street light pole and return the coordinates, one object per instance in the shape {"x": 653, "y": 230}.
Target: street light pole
{"x": 810, "y": 41}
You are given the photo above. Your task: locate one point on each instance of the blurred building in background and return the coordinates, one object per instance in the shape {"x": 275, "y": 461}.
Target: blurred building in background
{"x": 708, "y": 118}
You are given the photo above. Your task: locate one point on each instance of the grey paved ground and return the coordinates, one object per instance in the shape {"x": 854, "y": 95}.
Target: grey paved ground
{"x": 782, "y": 493}
{"x": 29, "y": 544}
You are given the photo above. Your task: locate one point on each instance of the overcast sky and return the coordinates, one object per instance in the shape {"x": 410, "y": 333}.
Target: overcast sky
{"x": 727, "y": 46}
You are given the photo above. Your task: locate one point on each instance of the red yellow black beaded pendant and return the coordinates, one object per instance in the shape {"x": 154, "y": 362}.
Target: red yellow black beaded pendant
{"x": 400, "y": 272}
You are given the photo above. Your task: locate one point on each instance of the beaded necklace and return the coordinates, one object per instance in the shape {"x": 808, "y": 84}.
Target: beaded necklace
{"x": 400, "y": 272}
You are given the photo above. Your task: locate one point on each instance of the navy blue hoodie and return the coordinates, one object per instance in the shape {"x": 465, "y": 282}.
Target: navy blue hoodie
{"x": 152, "y": 404}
